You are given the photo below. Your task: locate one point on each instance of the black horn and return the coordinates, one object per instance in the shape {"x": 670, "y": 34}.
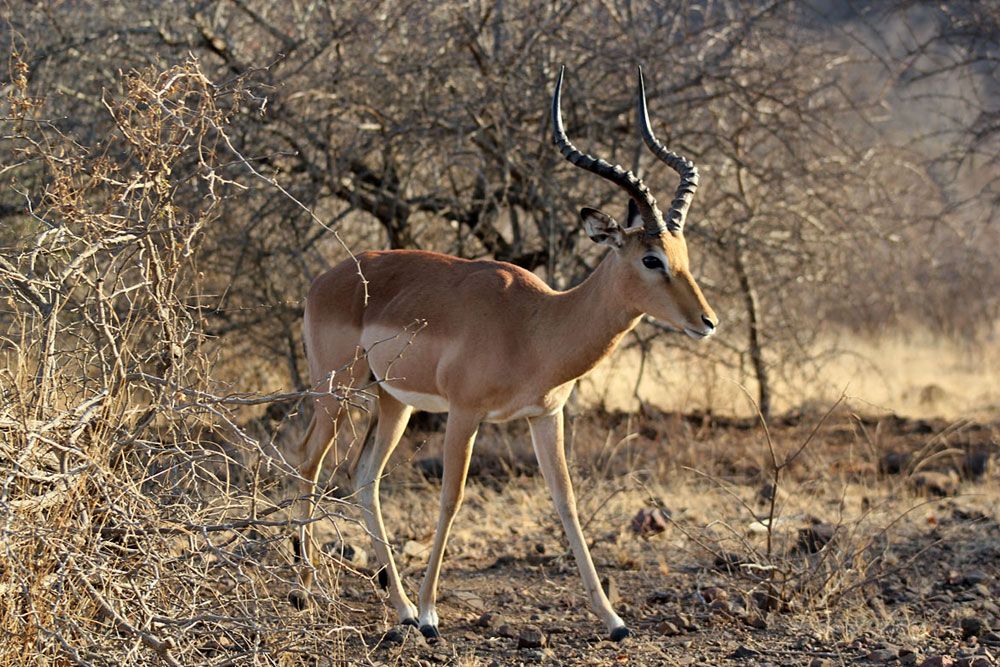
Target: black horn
{"x": 652, "y": 218}
{"x": 688, "y": 172}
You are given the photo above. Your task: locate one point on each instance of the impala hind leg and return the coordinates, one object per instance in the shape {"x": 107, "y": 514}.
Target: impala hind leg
{"x": 312, "y": 450}
{"x": 392, "y": 418}
{"x": 547, "y": 439}
{"x": 459, "y": 437}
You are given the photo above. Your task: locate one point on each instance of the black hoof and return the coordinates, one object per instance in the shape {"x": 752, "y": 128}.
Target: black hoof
{"x": 619, "y": 634}
{"x": 299, "y": 599}
{"x": 409, "y": 621}
{"x": 383, "y": 580}
{"x": 430, "y": 632}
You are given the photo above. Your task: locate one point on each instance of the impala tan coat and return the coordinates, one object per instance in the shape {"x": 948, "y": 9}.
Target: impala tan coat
{"x": 488, "y": 341}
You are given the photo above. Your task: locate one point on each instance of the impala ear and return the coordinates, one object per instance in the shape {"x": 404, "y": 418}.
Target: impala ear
{"x": 601, "y": 227}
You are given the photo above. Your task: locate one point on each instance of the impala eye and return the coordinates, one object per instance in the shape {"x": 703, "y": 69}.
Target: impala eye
{"x": 652, "y": 262}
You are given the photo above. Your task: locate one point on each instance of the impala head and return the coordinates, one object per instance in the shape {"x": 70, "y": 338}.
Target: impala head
{"x": 649, "y": 248}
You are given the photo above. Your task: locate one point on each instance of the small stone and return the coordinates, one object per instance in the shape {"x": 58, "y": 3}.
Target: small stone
{"x": 973, "y": 626}
{"x": 815, "y": 537}
{"x": 668, "y": 629}
{"x": 722, "y": 607}
{"x": 983, "y": 591}
{"x": 661, "y": 597}
{"x": 394, "y": 636}
{"x": 938, "y": 661}
{"x": 531, "y": 638}
{"x": 505, "y": 630}
{"x": 820, "y": 662}
{"x": 943, "y": 598}
{"x": 683, "y": 622}
{"x": 883, "y": 651}
{"x": 768, "y": 601}
{"x": 729, "y": 562}
{"x": 490, "y": 620}
{"x": 713, "y": 593}
{"x": 650, "y": 521}
{"x": 468, "y": 598}
{"x": 400, "y": 634}
{"x": 933, "y": 484}
{"x": 883, "y": 655}
{"x": 414, "y": 549}
{"x": 977, "y": 463}
{"x": 894, "y": 463}
{"x": 347, "y": 553}
{"x": 755, "y": 621}
{"x": 975, "y": 578}
{"x": 743, "y": 653}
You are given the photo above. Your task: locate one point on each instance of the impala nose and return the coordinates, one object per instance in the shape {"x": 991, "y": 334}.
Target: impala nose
{"x": 709, "y": 322}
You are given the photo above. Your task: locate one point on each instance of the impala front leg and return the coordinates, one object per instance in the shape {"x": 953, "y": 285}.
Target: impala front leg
{"x": 547, "y": 438}
{"x": 459, "y": 436}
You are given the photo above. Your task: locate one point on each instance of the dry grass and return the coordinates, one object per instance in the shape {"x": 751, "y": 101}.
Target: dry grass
{"x": 142, "y": 520}
{"x": 914, "y": 374}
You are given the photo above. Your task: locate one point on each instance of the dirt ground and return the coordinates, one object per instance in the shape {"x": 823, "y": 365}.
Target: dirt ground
{"x": 884, "y": 546}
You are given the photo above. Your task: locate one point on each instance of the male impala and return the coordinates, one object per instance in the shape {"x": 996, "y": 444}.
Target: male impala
{"x": 488, "y": 341}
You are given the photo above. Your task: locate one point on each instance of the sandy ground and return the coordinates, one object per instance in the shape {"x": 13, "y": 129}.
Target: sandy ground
{"x": 903, "y": 569}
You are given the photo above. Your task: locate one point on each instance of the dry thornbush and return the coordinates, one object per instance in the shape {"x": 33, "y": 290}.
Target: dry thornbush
{"x": 139, "y": 522}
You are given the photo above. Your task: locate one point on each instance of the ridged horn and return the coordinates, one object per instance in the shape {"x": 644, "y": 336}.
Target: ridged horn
{"x": 652, "y": 218}
{"x": 688, "y": 172}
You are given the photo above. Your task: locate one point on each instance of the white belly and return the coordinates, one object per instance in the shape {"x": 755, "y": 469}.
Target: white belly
{"x": 507, "y": 415}
{"x": 434, "y": 403}
{"x": 419, "y": 400}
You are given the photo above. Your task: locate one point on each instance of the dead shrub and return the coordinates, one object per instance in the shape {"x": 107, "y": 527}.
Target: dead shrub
{"x": 127, "y": 534}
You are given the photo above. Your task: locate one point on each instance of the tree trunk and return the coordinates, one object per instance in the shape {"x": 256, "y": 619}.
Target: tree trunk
{"x": 753, "y": 336}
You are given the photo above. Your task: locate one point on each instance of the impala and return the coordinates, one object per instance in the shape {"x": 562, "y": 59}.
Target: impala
{"x": 488, "y": 341}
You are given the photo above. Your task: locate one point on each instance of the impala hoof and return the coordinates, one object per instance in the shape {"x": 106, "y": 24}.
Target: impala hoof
{"x": 430, "y": 632}
{"x": 299, "y": 599}
{"x": 409, "y": 621}
{"x": 619, "y": 634}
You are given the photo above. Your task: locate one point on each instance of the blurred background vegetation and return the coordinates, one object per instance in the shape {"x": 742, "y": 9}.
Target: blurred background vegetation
{"x": 848, "y": 151}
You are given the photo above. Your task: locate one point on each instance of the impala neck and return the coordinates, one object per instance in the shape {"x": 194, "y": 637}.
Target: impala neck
{"x": 587, "y": 321}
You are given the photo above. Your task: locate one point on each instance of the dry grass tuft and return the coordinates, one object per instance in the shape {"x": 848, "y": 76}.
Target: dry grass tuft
{"x": 138, "y": 519}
